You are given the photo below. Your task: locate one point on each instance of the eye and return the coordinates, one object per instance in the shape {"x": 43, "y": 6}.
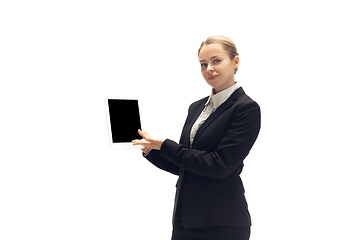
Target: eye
{"x": 203, "y": 65}
{"x": 217, "y": 60}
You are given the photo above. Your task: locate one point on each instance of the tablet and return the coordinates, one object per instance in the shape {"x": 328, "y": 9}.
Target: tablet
{"x": 123, "y": 120}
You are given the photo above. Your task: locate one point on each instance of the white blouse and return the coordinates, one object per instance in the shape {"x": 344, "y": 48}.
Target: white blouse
{"x": 214, "y": 101}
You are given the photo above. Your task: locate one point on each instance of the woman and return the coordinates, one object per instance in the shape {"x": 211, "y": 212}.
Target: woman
{"x": 217, "y": 136}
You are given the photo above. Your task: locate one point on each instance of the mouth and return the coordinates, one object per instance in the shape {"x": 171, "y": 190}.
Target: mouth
{"x": 213, "y": 77}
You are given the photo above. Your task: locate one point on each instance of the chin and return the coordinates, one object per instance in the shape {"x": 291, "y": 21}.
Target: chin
{"x": 212, "y": 85}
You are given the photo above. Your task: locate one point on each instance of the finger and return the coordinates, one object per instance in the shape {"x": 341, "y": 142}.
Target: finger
{"x": 141, "y": 133}
{"x": 141, "y": 142}
{"x": 146, "y": 134}
{"x": 137, "y": 142}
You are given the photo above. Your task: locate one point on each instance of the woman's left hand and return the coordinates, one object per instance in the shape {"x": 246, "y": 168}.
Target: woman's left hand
{"x": 147, "y": 141}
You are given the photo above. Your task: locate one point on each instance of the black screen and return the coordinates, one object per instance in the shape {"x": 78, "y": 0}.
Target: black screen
{"x": 124, "y": 119}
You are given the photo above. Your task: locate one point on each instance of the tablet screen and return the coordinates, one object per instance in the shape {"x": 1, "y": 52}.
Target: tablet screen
{"x": 124, "y": 120}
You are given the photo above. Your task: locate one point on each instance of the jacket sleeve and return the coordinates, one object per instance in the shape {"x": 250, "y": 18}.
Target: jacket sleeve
{"x": 233, "y": 148}
{"x": 162, "y": 163}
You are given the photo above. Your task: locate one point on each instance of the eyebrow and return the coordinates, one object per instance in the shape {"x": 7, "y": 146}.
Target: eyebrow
{"x": 210, "y": 58}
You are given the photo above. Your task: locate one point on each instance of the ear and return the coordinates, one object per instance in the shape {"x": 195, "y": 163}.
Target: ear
{"x": 236, "y": 62}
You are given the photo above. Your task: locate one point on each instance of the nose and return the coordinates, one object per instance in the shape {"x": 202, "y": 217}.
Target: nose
{"x": 209, "y": 68}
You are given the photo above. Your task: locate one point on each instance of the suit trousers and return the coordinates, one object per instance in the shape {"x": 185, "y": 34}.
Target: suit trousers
{"x": 207, "y": 233}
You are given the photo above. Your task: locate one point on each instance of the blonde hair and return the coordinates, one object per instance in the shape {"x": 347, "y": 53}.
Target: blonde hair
{"x": 228, "y": 45}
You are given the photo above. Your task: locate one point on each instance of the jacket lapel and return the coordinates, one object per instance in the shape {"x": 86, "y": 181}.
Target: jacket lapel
{"x": 228, "y": 103}
{"x": 189, "y": 125}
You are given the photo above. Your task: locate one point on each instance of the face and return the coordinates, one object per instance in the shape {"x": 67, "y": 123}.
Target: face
{"x": 216, "y": 66}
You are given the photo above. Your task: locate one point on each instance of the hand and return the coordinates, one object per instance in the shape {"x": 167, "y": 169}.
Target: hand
{"x": 148, "y": 142}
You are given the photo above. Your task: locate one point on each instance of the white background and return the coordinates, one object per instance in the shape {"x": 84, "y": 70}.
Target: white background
{"x": 60, "y": 180}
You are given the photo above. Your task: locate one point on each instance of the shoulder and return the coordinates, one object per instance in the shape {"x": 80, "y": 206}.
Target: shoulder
{"x": 242, "y": 100}
{"x": 244, "y": 106}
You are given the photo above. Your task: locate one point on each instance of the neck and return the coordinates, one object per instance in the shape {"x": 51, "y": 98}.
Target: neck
{"x": 216, "y": 91}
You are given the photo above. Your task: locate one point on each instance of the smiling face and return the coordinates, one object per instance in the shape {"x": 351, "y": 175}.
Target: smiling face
{"x": 217, "y": 68}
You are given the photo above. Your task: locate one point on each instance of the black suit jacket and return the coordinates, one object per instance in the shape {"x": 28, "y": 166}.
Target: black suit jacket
{"x": 209, "y": 184}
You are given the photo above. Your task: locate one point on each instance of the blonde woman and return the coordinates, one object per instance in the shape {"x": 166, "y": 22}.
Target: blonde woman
{"x": 217, "y": 135}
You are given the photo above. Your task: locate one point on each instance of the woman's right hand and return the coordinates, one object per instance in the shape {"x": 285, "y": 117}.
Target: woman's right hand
{"x": 145, "y": 135}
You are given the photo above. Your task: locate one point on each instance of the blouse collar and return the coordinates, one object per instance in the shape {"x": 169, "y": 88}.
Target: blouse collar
{"x": 220, "y": 97}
